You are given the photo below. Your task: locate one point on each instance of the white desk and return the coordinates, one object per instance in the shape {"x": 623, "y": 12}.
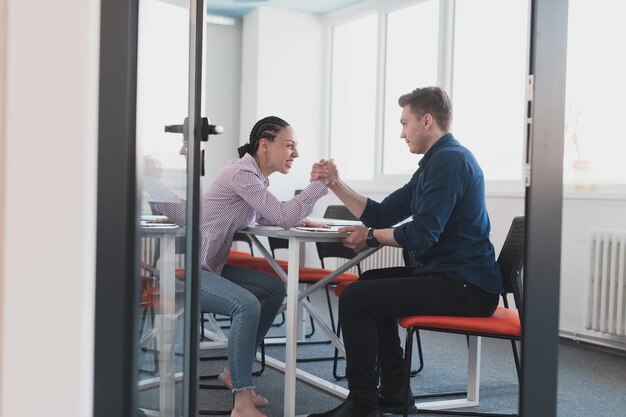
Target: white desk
{"x": 296, "y": 239}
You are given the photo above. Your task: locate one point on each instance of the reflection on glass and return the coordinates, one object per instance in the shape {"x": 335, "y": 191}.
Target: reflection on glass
{"x": 162, "y": 80}
{"x": 411, "y": 62}
{"x": 489, "y": 81}
{"x": 353, "y": 96}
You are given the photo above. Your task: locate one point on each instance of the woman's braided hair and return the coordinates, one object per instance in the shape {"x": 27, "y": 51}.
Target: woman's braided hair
{"x": 267, "y": 128}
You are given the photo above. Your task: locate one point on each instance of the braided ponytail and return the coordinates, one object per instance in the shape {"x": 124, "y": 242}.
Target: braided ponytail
{"x": 244, "y": 149}
{"x": 267, "y": 128}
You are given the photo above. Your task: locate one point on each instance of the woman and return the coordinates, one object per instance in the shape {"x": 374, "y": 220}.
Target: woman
{"x": 239, "y": 197}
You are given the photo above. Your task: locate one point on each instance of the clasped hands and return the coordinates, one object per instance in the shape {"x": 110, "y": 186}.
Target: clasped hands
{"x": 326, "y": 171}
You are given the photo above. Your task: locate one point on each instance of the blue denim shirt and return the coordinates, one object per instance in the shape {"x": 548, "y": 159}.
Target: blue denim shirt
{"x": 449, "y": 227}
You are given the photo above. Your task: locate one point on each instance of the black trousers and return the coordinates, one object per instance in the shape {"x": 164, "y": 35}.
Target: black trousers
{"x": 369, "y": 311}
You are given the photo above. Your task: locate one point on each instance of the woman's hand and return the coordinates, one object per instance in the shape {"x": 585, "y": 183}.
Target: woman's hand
{"x": 308, "y": 223}
{"x": 325, "y": 171}
{"x": 319, "y": 171}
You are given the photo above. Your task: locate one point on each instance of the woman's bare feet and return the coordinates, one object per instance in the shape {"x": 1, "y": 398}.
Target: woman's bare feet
{"x": 224, "y": 378}
{"x": 244, "y": 405}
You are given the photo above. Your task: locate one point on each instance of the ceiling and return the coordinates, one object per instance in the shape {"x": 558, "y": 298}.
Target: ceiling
{"x": 239, "y": 8}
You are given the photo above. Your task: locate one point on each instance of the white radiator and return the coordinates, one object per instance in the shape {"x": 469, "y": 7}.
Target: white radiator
{"x": 386, "y": 257}
{"x": 607, "y": 285}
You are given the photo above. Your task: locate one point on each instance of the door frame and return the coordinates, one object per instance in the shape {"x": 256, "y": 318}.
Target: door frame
{"x": 118, "y": 242}
{"x": 117, "y": 292}
{"x": 544, "y": 201}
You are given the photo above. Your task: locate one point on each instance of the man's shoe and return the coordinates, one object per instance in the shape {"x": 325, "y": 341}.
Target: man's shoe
{"x": 351, "y": 408}
{"x": 392, "y": 401}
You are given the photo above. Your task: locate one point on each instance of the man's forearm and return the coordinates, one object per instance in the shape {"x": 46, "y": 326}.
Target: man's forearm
{"x": 354, "y": 201}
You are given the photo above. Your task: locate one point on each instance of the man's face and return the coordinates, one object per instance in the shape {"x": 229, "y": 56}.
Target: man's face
{"x": 413, "y": 131}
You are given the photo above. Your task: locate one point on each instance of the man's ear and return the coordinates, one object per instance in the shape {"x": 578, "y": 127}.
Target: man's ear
{"x": 427, "y": 120}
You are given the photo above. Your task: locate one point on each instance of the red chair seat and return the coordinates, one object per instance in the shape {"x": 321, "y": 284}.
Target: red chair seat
{"x": 235, "y": 254}
{"x": 179, "y": 273}
{"x": 312, "y": 275}
{"x": 307, "y": 274}
{"x": 503, "y": 322}
{"x": 149, "y": 286}
{"x": 234, "y": 258}
{"x": 248, "y": 261}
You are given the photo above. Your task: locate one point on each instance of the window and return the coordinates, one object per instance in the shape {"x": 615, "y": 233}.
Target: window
{"x": 481, "y": 62}
{"x": 353, "y": 95}
{"x": 489, "y": 83}
{"x": 411, "y": 61}
{"x": 595, "y": 142}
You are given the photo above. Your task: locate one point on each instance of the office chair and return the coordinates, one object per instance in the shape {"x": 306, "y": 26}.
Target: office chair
{"x": 242, "y": 237}
{"x": 149, "y": 286}
{"x": 503, "y": 324}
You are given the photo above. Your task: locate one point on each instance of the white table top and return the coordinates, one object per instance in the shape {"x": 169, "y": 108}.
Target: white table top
{"x": 302, "y": 235}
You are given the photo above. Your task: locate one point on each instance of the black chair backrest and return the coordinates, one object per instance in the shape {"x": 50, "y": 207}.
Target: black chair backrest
{"x": 332, "y": 212}
{"x": 410, "y": 257}
{"x": 277, "y": 243}
{"x": 336, "y": 249}
{"x": 511, "y": 260}
{"x": 340, "y": 212}
{"x": 242, "y": 237}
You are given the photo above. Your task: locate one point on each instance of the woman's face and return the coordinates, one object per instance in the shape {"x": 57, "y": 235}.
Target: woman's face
{"x": 280, "y": 153}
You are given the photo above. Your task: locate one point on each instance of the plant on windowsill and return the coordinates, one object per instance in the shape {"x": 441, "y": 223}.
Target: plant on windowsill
{"x": 582, "y": 167}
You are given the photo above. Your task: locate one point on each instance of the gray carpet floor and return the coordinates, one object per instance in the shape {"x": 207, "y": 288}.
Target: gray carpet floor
{"x": 591, "y": 381}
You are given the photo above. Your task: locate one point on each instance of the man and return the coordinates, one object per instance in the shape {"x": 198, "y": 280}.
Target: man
{"x": 448, "y": 231}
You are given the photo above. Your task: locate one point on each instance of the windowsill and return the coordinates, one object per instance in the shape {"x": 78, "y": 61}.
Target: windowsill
{"x": 502, "y": 189}
{"x": 596, "y": 192}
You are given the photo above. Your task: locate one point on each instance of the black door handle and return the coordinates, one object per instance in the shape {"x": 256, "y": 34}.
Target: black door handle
{"x": 206, "y": 129}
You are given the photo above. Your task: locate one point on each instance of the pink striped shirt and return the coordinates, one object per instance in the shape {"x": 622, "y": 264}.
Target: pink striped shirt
{"x": 239, "y": 197}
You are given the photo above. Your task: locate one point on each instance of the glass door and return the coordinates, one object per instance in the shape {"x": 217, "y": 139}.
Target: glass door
{"x": 168, "y": 136}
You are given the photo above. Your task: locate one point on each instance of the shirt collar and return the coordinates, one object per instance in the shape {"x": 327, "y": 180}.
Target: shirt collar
{"x": 249, "y": 162}
{"x": 446, "y": 139}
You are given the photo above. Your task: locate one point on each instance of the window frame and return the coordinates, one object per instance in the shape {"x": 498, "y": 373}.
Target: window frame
{"x": 383, "y": 182}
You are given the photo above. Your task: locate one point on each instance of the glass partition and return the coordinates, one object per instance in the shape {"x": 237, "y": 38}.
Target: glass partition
{"x": 592, "y": 325}
{"x": 162, "y": 99}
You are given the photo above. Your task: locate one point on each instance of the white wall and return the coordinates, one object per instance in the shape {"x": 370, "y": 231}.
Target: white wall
{"x": 47, "y": 307}
{"x": 282, "y": 74}
{"x": 223, "y": 91}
